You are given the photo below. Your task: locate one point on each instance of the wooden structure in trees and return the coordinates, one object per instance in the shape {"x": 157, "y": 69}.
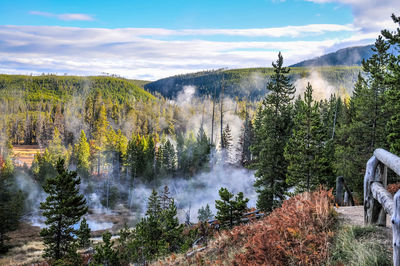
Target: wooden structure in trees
{"x": 343, "y": 197}
{"x": 377, "y": 200}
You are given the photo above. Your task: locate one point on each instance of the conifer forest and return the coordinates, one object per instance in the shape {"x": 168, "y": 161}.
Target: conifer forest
{"x": 190, "y": 169}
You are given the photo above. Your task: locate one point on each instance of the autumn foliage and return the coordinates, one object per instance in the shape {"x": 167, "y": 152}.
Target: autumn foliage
{"x": 297, "y": 233}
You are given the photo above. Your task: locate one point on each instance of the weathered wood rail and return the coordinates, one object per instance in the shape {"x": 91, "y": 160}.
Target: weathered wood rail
{"x": 377, "y": 200}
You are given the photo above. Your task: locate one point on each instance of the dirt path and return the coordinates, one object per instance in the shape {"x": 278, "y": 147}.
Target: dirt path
{"x": 354, "y": 215}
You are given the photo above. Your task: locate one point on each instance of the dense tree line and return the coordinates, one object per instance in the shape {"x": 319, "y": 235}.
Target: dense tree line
{"x": 247, "y": 83}
{"x": 302, "y": 144}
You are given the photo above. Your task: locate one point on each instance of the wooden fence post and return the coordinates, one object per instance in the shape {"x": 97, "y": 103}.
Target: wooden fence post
{"x": 381, "y": 175}
{"x": 339, "y": 190}
{"x": 371, "y": 205}
{"x": 396, "y": 229}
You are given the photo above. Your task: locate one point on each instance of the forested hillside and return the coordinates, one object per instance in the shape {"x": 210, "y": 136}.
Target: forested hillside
{"x": 351, "y": 56}
{"x": 248, "y": 83}
{"x": 167, "y": 167}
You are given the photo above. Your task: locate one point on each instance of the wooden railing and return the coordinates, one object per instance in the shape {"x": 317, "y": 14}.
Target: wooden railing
{"x": 377, "y": 200}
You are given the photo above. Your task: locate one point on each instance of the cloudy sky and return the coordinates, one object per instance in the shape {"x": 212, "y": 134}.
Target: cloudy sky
{"x": 151, "y": 39}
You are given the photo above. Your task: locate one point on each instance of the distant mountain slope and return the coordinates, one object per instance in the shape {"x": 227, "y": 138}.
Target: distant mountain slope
{"x": 55, "y": 88}
{"x": 247, "y": 83}
{"x": 351, "y": 56}
{"x": 139, "y": 83}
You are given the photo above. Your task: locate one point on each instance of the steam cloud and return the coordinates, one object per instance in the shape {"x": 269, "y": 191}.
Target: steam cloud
{"x": 321, "y": 88}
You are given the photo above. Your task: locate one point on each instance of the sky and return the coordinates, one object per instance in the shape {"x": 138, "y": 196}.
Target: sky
{"x": 152, "y": 39}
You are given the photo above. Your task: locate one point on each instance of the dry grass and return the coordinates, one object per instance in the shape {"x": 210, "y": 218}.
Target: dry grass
{"x": 24, "y": 154}
{"x": 25, "y": 254}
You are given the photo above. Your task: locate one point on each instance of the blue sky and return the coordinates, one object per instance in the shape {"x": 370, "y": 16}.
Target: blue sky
{"x": 154, "y": 39}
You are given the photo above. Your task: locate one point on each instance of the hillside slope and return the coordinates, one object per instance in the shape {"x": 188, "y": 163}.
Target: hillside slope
{"x": 351, "y": 56}
{"x": 56, "y": 88}
{"x": 247, "y": 83}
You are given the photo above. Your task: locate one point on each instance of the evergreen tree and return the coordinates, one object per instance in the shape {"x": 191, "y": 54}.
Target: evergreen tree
{"x": 63, "y": 208}
{"x": 42, "y": 167}
{"x": 100, "y": 134}
{"x": 272, "y": 127}
{"x": 168, "y": 157}
{"x": 116, "y": 149}
{"x": 229, "y": 209}
{"x": 83, "y": 234}
{"x": 158, "y": 233}
{"x": 153, "y": 205}
{"x": 172, "y": 230}
{"x": 392, "y": 80}
{"x": 227, "y": 143}
{"x": 11, "y": 202}
{"x": 304, "y": 150}
{"x": 104, "y": 253}
{"x": 227, "y": 138}
{"x": 135, "y": 155}
{"x": 165, "y": 199}
{"x": 56, "y": 148}
{"x": 204, "y": 214}
{"x": 366, "y": 130}
{"x": 82, "y": 155}
{"x": 246, "y": 141}
{"x": 202, "y": 149}
{"x": 150, "y": 156}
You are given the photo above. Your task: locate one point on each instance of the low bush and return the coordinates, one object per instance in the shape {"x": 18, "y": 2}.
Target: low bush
{"x": 297, "y": 233}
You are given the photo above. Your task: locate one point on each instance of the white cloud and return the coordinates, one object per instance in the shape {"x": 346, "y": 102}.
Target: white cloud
{"x": 67, "y": 16}
{"x": 369, "y": 15}
{"x": 137, "y": 53}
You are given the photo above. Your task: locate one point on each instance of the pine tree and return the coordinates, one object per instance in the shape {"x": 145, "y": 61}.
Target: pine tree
{"x": 83, "y": 234}
{"x": 56, "y": 148}
{"x": 158, "y": 233}
{"x": 367, "y": 128}
{"x": 150, "y": 156}
{"x": 304, "y": 150}
{"x": 204, "y": 214}
{"x": 165, "y": 199}
{"x": 246, "y": 141}
{"x": 104, "y": 253}
{"x": 82, "y": 155}
{"x": 229, "y": 209}
{"x": 42, "y": 167}
{"x": 63, "y": 208}
{"x": 202, "y": 149}
{"x": 272, "y": 127}
{"x": 153, "y": 205}
{"x": 227, "y": 138}
{"x": 168, "y": 157}
{"x": 227, "y": 143}
{"x": 11, "y": 202}
{"x": 172, "y": 230}
{"x": 100, "y": 134}
{"x": 116, "y": 149}
{"x": 392, "y": 79}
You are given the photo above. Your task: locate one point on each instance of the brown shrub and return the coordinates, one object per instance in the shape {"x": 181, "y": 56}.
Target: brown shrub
{"x": 297, "y": 233}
